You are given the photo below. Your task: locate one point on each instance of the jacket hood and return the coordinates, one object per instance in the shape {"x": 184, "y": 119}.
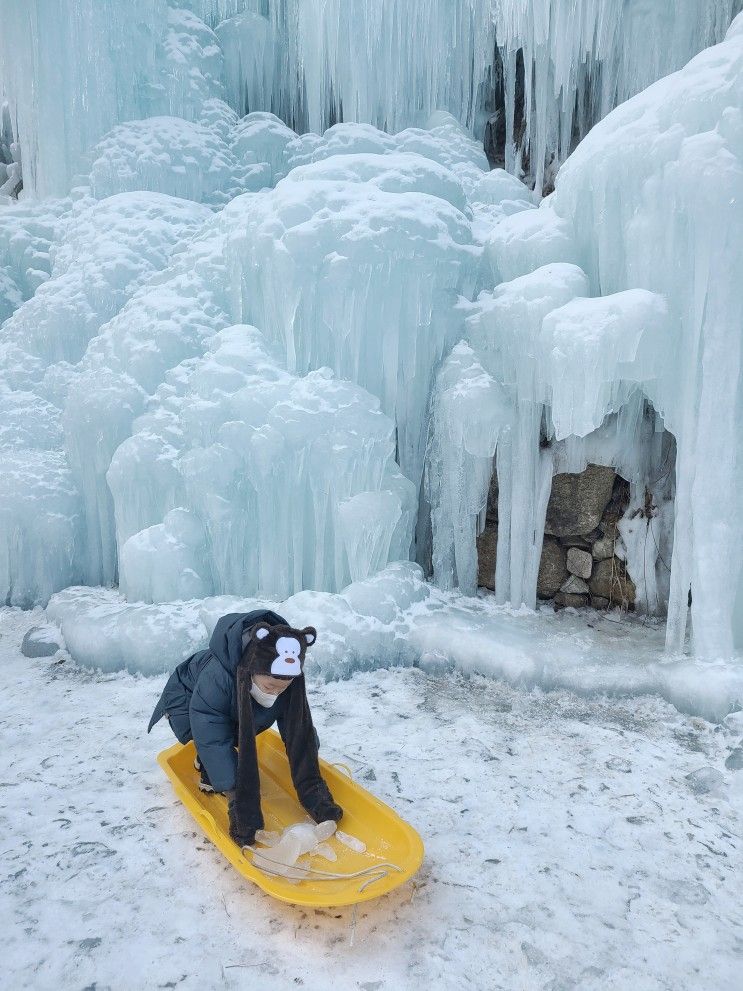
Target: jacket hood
{"x": 228, "y": 639}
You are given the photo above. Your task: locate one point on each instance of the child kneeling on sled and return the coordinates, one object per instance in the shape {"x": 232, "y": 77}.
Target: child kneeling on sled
{"x": 249, "y": 678}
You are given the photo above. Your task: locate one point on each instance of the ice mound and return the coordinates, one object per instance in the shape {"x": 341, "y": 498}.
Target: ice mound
{"x": 550, "y": 364}
{"x": 27, "y": 230}
{"x": 283, "y": 850}
{"x": 10, "y": 294}
{"x": 190, "y": 63}
{"x": 165, "y": 155}
{"x": 108, "y": 634}
{"x": 469, "y": 412}
{"x": 102, "y": 252}
{"x": 605, "y": 364}
{"x": 527, "y": 240}
{"x": 105, "y": 250}
{"x": 442, "y": 139}
{"x": 393, "y": 172}
{"x": 357, "y": 278}
{"x": 165, "y": 323}
{"x": 293, "y": 479}
{"x": 596, "y": 351}
{"x": 397, "y": 618}
{"x": 40, "y": 525}
{"x": 261, "y": 137}
{"x": 497, "y": 187}
{"x": 491, "y": 398}
{"x": 166, "y": 561}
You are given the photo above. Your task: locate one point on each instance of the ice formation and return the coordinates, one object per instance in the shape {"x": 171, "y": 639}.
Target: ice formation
{"x": 284, "y": 849}
{"x": 292, "y": 481}
{"x": 364, "y": 282}
{"x": 543, "y": 72}
{"x": 676, "y": 152}
{"x": 649, "y": 205}
{"x": 241, "y": 363}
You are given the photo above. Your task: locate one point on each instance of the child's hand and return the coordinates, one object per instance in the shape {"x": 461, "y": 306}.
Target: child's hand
{"x": 244, "y": 836}
{"x": 320, "y": 805}
{"x": 325, "y": 811}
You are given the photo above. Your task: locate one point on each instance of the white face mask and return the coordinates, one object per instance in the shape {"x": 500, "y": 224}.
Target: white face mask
{"x": 263, "y": 698}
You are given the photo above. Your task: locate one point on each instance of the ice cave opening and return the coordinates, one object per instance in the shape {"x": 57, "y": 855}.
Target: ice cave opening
{"x": 607, "y": 533}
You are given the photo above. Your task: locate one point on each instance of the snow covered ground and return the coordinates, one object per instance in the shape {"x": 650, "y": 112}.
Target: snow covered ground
{"x": 571, "y": 843}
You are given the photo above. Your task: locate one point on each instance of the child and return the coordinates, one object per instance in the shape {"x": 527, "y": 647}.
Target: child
{"x": 250, "y": 677}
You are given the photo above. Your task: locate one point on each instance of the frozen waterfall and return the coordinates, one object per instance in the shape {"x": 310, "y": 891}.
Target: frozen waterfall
{"x": 273, "y": 330}
{"x": 538, "y": 73}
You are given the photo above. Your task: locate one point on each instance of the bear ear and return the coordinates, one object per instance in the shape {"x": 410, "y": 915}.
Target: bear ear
{"x": 310, "y": 635}
{"x": 261, "y": 631}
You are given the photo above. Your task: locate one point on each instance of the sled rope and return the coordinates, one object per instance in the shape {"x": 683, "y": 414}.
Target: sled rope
{"x": 370, "y": 874}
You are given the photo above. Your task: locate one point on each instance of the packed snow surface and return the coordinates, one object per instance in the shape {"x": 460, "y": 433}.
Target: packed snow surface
{"x": 569, "y": 842}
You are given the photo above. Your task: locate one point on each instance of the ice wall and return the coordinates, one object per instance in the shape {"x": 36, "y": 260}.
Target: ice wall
{"x": 356, "y": 262}
{"x": 121, "y": 351}
{"x": 600, "y": 360}
{"x": 290, "y": 483}
{"x": 575, "y": 61}
{"x": 542, "y": 71}
{"x": 73, "y": 70}
{"x": 658, "y": 186}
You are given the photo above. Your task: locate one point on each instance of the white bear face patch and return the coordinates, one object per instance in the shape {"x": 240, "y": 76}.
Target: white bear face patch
{"x": 287, "y": 657}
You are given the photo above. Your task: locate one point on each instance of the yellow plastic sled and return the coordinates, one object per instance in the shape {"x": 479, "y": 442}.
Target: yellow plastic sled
{"x": 394, "y": 850}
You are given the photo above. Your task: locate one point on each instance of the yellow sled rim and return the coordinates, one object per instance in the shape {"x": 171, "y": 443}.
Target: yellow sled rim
{"x": 394, "y": 850}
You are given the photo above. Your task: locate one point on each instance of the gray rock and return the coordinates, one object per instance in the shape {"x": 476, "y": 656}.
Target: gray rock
{"x": 611, "y": 581}
{"x": 487, "y": 546}
{"x": 574, "y": 586}
{"x": 41, "y": 641}
{"x": 552, "y": 569}
{"x": 705, "y": 781}
{"x": 580, "y": 562}
{"x": 599, "y": 602}
{"x": 603, "y": 549}
{"x": 577, "y": 502}
{"x": 734, "y": 761}
{"x": 565, "y": 599}
{"x": 734, "y": 721}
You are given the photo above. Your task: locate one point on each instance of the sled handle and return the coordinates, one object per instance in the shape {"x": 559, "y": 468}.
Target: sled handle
{"x": 345, "y": 768}
{"x": 208, "y": 818}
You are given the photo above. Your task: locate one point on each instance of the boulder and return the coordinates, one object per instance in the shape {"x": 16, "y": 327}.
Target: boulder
{"x": 42, "y": 641}
{"x": 611, "y": 581}
{"x": 487, "y": 545}
{"x": 577, "y": 502}
{"x": 552, "y": 569}
{"x": 603, "y": 548}
{"x": 565, "y": 599}
{"x": 579, "y": 562}
{"x": 574, "y": 586}
{"x": 599, "y": 602}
